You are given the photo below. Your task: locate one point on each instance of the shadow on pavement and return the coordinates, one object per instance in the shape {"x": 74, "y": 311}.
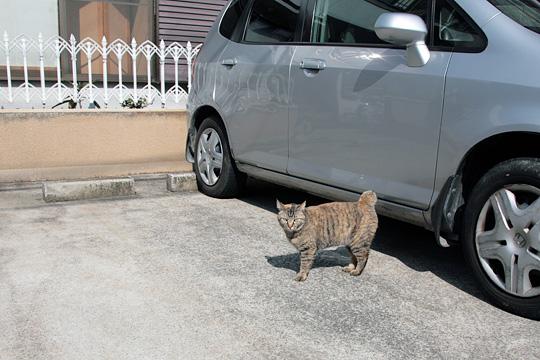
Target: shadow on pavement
{"x": 412, "y": 245}
{"x": 325, "y": 258}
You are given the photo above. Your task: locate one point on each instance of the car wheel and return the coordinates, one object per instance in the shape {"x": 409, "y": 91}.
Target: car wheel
{"x": 214, "y": 167}
{"x": 501, "y": 235}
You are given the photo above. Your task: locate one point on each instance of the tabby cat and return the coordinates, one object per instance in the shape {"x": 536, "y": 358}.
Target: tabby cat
{"x": 352, "y": 224}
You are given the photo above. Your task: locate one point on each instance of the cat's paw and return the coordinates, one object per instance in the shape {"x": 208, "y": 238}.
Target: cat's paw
{"x": 355, "y": 272}
{"x": 301, "y": 277}
{"x": 348, "y": 268}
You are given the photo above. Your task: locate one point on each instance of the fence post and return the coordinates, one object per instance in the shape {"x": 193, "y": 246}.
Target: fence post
{"x": 25, "y": 69}
{"x": 41, "y": 69}
{"x": 134, "y": 68}
{"x": 104, "y": 55}
{"x": 162, "y": 71}
{"x": 119, "y": 57}
{"x": 8, "y": 68}
{"x": 73, "y": 51}
{"x": 89, "y": 52}
{"x": 176, "y": 93}
{"x": 58, "y": 70}
{"x": 188, "y": 56}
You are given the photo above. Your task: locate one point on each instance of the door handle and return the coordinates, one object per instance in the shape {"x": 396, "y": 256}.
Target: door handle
{"x": 313, "y": 64}
{"x": 229, "y": 62}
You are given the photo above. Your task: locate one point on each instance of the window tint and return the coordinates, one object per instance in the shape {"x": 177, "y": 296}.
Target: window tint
{"x": 524, "y": 12}
{"x": 453, "y": 30}
{"x": 353, "y": 21}
{"x": 273, "y": 21}
{"x": 231, "y": 18}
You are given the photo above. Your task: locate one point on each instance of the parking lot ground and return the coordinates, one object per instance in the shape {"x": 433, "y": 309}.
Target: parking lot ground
{"x": 185, "y": 276}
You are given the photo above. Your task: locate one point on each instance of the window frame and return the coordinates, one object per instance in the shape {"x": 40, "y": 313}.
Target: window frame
{"x": 307, "y": 35}
{"x": 65, "y": 63}
{"x": 430, "y": 39}
{"x": 304, "y": 26}
{"x": 460, "y": 49}
{"x": 241, "y": 29}
{"x": 241, "y": 19}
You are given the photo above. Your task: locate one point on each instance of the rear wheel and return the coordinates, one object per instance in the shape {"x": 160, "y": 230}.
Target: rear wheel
{"x": 501, "y": 235}
{"x": 214, "y": 167}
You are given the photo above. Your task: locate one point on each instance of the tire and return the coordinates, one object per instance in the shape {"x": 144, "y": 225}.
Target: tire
{"x": 224, "y": 182}
{"x": 501, "y": 235}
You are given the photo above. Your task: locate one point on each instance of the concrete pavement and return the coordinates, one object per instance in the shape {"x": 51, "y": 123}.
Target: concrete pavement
{"x": 183, "y": 276}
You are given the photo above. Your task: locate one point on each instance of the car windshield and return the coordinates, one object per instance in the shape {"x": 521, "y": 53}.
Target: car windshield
{"x": 524, "y": 12}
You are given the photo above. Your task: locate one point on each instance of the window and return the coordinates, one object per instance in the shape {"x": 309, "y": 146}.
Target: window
{"x": 28, "y": 17}
{"x": 353, "y": 21}
{"x": 114, "y": 19}
{"x": 273, "y": 21}
{"x": 231, "y": 18}
{"x": 524, "y": 12}
{"x": 452, "y": 29}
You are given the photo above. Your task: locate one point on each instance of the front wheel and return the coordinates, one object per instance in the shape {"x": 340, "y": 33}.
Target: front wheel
{"x": 214, "y": 167}
{"x": 501, "y": 235}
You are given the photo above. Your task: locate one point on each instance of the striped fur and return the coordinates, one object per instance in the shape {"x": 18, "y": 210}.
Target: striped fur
{"x": 350, "y": 224}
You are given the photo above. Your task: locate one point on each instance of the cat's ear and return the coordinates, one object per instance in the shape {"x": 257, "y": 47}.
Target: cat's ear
{"x": 279, "y": 205}
{"x": 302, "y": 206}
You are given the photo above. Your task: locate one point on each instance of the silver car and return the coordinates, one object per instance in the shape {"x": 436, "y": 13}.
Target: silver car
{"x": 433, "y": 104}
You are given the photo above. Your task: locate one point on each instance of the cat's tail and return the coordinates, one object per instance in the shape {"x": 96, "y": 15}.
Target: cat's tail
{"x": 368, "y": 198}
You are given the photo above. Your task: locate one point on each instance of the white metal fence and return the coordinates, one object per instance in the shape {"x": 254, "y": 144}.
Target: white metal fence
{"x": 66, "y": 85}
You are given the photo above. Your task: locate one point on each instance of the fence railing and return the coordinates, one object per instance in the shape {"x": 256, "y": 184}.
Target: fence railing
{"x": 64, "y": 85}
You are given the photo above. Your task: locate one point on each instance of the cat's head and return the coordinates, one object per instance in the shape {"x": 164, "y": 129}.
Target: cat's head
{"x": 291, "y": 217}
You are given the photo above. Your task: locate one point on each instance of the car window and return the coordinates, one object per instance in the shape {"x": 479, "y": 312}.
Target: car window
{"x": 353, "y": 21}
{"x": 524, "y": 12}
{"x": 231, "y": 17}
{"x": 273, "y": 21}
{"x": 452, "y": 29}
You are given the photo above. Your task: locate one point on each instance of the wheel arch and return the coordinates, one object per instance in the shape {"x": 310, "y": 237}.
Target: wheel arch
{"x": 447, "y": 211}
{"x": 197, "y": 118}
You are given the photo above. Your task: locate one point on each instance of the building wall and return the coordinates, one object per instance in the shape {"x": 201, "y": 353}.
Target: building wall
{"x": 177, "y": 21}
{"x": 186, "y": 20}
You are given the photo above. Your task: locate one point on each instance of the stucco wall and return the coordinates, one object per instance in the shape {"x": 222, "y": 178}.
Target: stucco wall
{"x": 47, "y": 145}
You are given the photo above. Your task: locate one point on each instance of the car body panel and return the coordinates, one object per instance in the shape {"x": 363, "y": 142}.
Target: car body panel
{"x": 383, "y": 207}
{"x": 480, "y": 11}
{"x": 493, "y": 92}
{"x": 367, "y": 121}
{"x": 254, "y": 99}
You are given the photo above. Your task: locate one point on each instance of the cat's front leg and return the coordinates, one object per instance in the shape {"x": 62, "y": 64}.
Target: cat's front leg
{"x": 307, "y": 257}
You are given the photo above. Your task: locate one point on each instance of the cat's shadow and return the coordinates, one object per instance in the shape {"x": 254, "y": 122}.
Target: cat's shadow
{"x": 325, "y": 258}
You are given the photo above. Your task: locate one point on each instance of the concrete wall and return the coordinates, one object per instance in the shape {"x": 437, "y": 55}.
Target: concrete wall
{"x": 75, "y": 144}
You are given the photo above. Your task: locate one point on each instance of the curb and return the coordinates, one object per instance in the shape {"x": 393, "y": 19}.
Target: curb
{"x": 84, "y": 190}
{"x": 181, "y": 182}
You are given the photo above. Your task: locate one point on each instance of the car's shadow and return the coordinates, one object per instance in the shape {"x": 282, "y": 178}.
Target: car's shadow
{"x": 413, "y": 246}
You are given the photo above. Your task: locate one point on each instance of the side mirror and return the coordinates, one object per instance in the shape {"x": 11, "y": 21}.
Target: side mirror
{"x": 405, "y": 30}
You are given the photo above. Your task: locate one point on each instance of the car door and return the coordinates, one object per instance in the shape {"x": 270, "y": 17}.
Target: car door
{"x": 252, "y": 84}
{"x": 360, "y": 117}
